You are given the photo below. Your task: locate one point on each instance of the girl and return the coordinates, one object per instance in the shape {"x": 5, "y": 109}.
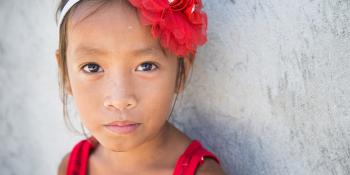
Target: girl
{"x": 124, "y": 62}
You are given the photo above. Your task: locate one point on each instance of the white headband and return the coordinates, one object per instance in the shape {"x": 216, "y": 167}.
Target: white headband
{"x": 65, "y": 10}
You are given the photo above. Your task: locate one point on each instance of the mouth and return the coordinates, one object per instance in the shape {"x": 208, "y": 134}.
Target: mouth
{"x": 122, "y": 127}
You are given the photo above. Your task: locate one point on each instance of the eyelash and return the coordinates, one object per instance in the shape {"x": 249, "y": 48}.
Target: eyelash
{"x": 89, "y": 71}
{"x": 152, "y": 64}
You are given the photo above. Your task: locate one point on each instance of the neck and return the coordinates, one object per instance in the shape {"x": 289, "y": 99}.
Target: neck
{"x": 146, "y": 154}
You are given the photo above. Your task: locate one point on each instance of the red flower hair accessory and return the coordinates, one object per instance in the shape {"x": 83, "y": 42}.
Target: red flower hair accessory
{"x": 180, "y": 25}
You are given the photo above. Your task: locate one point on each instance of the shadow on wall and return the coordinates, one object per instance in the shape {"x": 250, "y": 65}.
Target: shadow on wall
{"x": 230, "y": 139}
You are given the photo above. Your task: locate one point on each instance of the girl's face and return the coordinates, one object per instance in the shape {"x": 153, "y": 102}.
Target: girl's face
{"x": 122, "y": 82}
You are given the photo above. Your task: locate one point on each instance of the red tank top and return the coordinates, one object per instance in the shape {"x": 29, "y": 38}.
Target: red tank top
{"x": 187, "y": 164}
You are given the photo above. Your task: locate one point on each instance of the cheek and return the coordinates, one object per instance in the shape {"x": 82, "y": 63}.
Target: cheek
{"x": 88, "y": 103}
{"x": 157, "y": 97}
{"x": 87, "y": 99}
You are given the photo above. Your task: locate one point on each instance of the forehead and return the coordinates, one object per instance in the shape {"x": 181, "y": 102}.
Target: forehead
{"x": 112, "y": 26}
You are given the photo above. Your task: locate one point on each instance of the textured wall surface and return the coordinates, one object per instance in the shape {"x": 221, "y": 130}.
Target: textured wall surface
{"x": 269, "y": 93}
{"x": 32, "y": 132}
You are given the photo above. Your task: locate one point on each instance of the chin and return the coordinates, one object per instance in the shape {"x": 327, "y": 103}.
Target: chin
{"x": 119, "y": 145}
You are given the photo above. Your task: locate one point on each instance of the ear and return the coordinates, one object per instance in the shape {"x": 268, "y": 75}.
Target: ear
{"x": 61, "y": 67}
{"x": 58, "y": 56}
{"x": 188, "y": 62}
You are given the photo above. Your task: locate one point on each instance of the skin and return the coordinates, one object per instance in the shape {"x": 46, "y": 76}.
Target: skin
{"x": 118, "y": 72}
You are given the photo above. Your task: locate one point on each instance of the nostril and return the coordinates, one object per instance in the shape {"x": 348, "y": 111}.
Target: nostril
{"x": 130, "y": 105}
{"x": 112, "y": 103}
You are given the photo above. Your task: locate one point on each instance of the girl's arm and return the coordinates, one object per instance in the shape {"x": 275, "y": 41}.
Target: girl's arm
{"x": 63, "y": 165}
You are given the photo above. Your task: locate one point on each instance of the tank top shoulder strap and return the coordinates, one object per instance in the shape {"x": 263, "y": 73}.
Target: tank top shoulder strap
{"x": 79, "y": 157}
{"x": 192, "y": 158}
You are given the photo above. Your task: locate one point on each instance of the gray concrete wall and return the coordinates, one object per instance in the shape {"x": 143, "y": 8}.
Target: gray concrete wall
{"x": 269, "y": 93}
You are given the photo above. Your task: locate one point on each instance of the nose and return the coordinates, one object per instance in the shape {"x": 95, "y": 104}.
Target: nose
{"x": 119, "y": 96}
{"x": 120, "y": 103}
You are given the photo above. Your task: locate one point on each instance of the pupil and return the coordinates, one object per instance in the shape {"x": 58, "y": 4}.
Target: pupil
{"x": 93, "y": 68}
{"x": 147, "y": 66}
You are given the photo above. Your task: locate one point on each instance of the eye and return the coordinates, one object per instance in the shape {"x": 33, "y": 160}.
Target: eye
{"x": 92, "y": 68}
{"x": 147, "y": 66}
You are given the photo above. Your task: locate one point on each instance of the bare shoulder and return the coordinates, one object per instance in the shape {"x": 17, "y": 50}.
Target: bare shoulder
{"x": 62, "y": 168}
{"x": 210, "y": 167}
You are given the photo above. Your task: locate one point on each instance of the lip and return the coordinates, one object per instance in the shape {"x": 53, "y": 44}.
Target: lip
{"x": 122, "y": 127}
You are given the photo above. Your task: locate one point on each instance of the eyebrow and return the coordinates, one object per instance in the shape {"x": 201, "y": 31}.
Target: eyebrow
{"x": 149, "y": 50}
{"x": 88, "y": 50}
